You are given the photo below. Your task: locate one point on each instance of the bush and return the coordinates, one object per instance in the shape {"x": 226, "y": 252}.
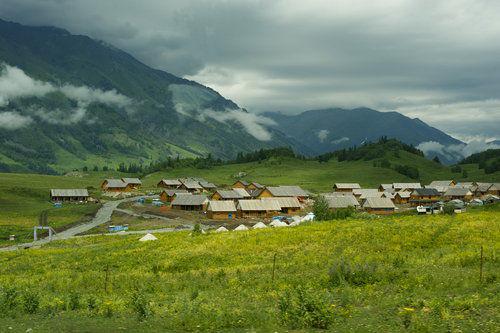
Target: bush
{"x": 74, "y": 301}
{"x": 140, "y": 304}
{"x": 305, "y": 308}
{"x": 449, "y": 209}
{"x": 8, "y": 299}
{"x": 357, "y": 274}
{"x": 321, "y": 209}
{"x": 30, "y": 302}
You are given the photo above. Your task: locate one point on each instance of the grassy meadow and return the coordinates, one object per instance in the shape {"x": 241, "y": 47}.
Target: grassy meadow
{"x": 390, "y": 274}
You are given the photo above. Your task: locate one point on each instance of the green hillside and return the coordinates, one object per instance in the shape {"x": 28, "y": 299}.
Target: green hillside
{"x": 102, "y": 106}
{"x": 392, "y": 274}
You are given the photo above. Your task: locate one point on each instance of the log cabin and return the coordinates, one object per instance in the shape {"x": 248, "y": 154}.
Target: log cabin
{"x": 380, "y": 206}
{"x": 345, "y": 187}
{"x": 196, "y": 202}
{"x": 221, "y": 210}
{"x": 169, "y": 195}
{"x": 424, "y": 196}
{"x": 71, "y": 195}
{"x": 169, "y": 183}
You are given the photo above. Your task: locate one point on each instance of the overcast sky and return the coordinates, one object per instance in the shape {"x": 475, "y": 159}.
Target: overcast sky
{"x": 436, "y": 60}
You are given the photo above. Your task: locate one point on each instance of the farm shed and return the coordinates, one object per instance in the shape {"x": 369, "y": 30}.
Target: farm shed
{"x": 221, "y": 210}
{"x": 257, "y": 208}
{"x": 289, "y": 205}
{"x": 336, "y": 202}
{"x": 379, "y": 206}
{"x": 406, "y": 186}
{"x": 190, "y": 202}
{"x": 58, "y": 195}
{"x": 402, "y": 197}
{"x": 169, "y": 195}
{"x": 345, "y": 187}
{"x": 424, "y": 196}
{"x": 226, "y": 195}
{"x": 169, "y": 183}
{"x": 134, "y": 183}
{"x": 115, "y": 185}
{"x": 458, "y": 193}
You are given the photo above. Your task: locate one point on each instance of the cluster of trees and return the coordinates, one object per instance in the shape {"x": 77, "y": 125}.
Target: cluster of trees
{"x": 264, "y": 154}
{"x": 323, "y": 212}
{"x": 408, "y": 170}
{"x": 370, "y": 151}
{"x": 488, "y": 160}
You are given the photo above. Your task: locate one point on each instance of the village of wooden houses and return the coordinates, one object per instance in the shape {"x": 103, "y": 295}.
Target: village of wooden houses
{"x": 244, "y": 204}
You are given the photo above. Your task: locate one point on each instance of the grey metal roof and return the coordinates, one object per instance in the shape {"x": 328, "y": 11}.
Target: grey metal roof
{"x": 287, "y": 191}
{"x": 285, "y": 202}
{"x": 207, "y": 185}
{"x": 229, "y": 194}
{"x": 171, "y": 182}
{"x": 386, "y": 186}
{"x": 406, "y": 185}
{"x": 378, "y": 203}
{"x": 483, "y": 187}
{"x": 245, "y": 183}
{"x": 190, "y": 200}
{"x": 242, "y": 192}
{"x": 403, "y": 194}
{"x": 191, "y": 184}
{"x": 221, "y": 206}
{"x": 258, "y": 205}
{"x": 134, "y": 181}
{"x": 457, "y": 192}
{"x": 425, "y": 192}
{"x": 257, "y": 185}
{"x": 346, "y": 186}
{"x": 342, "y": 201}
{"x": 115, "y": 183}
{"x": 171, "y": 193}
{"x": 440, "y": 183}
{"x": 69, "y": 192}
{"x": 364, "y": 193}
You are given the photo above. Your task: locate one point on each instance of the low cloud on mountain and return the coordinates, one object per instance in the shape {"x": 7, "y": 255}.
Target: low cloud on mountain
{"x": 15, "y": 84}
{"x": 456, "y": 152}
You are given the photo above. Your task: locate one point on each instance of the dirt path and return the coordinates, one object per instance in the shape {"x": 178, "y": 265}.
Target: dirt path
{"x": 102, "y": 216}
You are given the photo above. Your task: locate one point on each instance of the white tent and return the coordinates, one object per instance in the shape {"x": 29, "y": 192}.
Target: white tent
{"x": 221, "y": 229}
{"x": 308, "y": 217}
{"x": 259, "y": 225}
{"x": 241, "y": 227}
{"x": 278, "y": 224}
{"x": 148, "y": 237}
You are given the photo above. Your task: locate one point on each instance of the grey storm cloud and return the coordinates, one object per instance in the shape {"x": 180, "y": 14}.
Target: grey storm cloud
{"x": 435, "y": 60}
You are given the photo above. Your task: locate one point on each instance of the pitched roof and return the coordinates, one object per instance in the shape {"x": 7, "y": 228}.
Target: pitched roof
{"x": 221, "y": 206}
{"x": 134, "y": 181}
{"x": 171, "y": 182}
{"x": 364, "y": 193}
{"x": 389, "y": 195}
{"x": 287, "y": 191}
{"x": 69, "y": 192}
{"x": 336, "y": 194}
{"x": 346, "y": 186}
{"x": 229, "y": 194}
{"x": 190, "y": 200}
{"x": 115, "y": 183}
{"x": 207, "y": 185}
{"x": 457, "y": 192}
{"x": 245, "y": 183}
{"x": 342, "y": 201}
{"x": 258, "y": 205}
{"x": 257, "y": 185}
{"x": 403, "y": 194}
{"x": 385, "y": 186}
{"x": 440, "y": 183}
{"x": 191, "y": 184}
{"x": 425, "y": 192}
{"x": 378, "y": 203}
{"x": 285, "y": 202}
{"x": 406, "y": 185}
{"x": 242, "y": 192}
{"x": 483, "y": 187}
{"x": 171, "y": 193}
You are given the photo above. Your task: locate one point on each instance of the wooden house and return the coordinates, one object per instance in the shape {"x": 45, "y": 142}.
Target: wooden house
{"x": 207, "y": 186}
{"x": 362, "y": 193}
{"x": 133, "y": 183}
{"x": 72, "y": 195}
{"x": 221, "y": 210}
{"x": 169, "y": 195}
{"x": 424, "y": 196}
{"x": 283, "y": 191}
{"x": 169, "y": 183}
{"x": 406, "y": 186}
{"x": 191, "y": 186}
{"x": 344, "y": 201}
{"x": 459, "y": 193}
{"x": 442, "y": 183}
{"x": 257, "y": 208}
{"x": 402, "y": 197}
{"x": 115, "y": 185}
{"x": 381, "y": 206}
{"x": 197, "y": 202}
{"x": 255, "y": 186}
{"x": 289, "y": 205}
{"x": 345, "y": 187}
{"x": 385, "y": 187}
{"x": 230, "y": 195}
{"x": 240, "y": 184}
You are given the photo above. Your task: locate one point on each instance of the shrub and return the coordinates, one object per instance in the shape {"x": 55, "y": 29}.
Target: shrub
{"x": 74, "y": 301}
{"x": 305, "y": 308}
{"x": 30, "y": 302}
{"x": 448, "y": 209}
{"x": 321, "y": 209}
{"x": 140, "y": 304}
{"x": 197, "y": 229}
{"x": 9, "y": 297}
{"x": 357, "y": 274}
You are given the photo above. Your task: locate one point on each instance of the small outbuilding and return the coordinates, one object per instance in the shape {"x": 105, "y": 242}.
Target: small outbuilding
{"x": 133, "y": 183}
{"x": 115, "y": 185}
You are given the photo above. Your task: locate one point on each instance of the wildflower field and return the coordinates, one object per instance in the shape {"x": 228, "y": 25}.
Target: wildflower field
{"x": 411, "y": 273}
